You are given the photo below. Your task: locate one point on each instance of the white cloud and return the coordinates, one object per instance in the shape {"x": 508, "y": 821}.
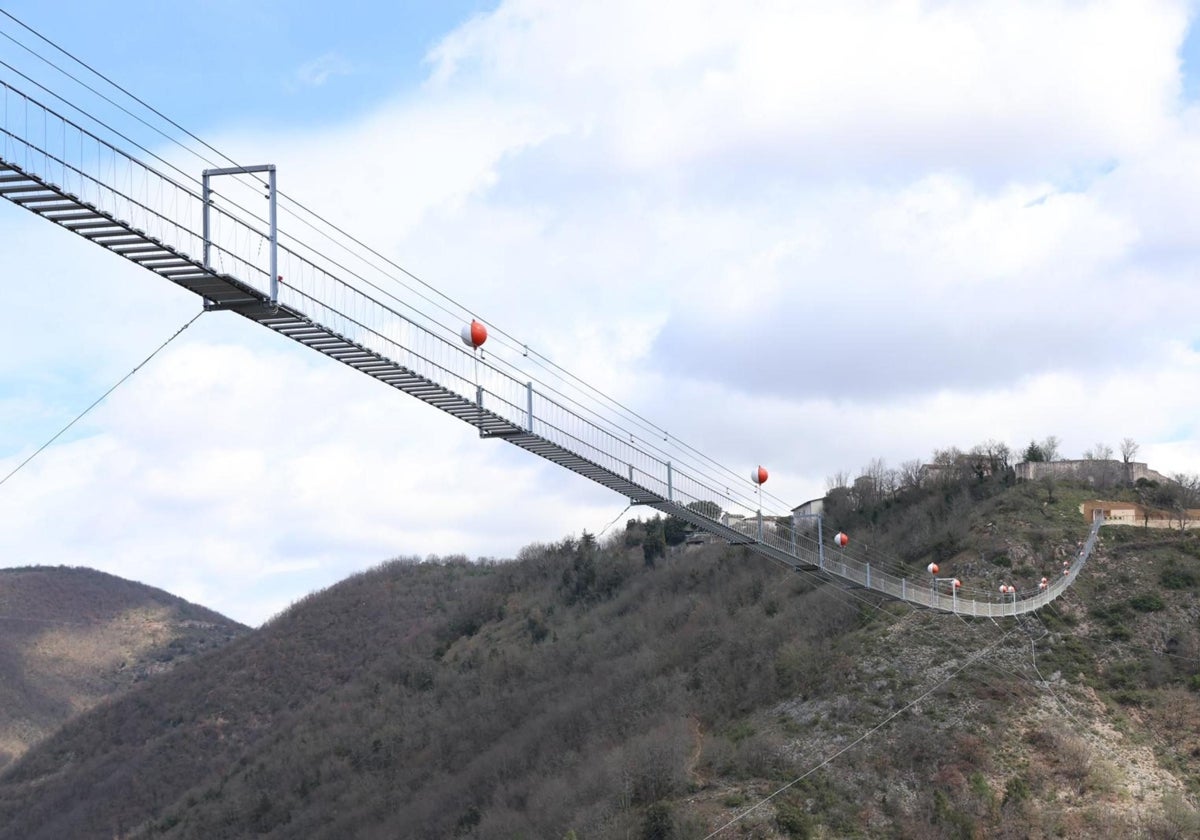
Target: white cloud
{"x": 268, "y": 471}
{"x": 322, "y": 68}
{"x": 988, "y": 84}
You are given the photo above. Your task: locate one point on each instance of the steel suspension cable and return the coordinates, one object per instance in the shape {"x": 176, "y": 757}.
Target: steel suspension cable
{"x": 538, "y": 358}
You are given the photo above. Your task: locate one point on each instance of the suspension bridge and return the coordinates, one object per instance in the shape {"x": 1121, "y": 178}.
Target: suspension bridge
{"x": 192, "y": 234}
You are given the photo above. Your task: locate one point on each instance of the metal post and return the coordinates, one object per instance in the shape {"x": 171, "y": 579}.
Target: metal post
{"x": 670, "y": 487}
{"x": 868, "y": 576}
{"x": 529, "y": 415}
{"x": 760, "y": 531}
{"x": 820, "y": 545}
{"x": 206, "y": 201}
{"x": 274, "y": 238}
{"x": 903, "y": 594}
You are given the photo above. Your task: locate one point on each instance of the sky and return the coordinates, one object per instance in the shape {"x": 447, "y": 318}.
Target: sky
{"x": 802, "y": 235}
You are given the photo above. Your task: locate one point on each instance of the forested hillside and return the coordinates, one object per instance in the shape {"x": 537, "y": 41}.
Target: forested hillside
{"x": 70, "y": 638}
{"x": 592, "y": 690}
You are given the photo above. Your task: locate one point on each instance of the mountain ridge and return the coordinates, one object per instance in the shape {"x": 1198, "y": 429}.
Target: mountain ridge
{"x": 75, "y": 637}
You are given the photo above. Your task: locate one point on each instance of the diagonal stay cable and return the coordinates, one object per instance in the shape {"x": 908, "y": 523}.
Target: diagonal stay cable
{"x": 536, "y": 358}
{"x": 99, "y": 399}
{"x": 971, "y": 660}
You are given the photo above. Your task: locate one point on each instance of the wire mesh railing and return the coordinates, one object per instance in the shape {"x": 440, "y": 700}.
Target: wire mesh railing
{"x": 883, "y": 575}
{"x": 99, "y": 173}
{"x": 95, "y": 172}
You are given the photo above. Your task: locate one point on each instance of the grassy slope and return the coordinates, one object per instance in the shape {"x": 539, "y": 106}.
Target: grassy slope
{"x": 576, "y": 690}
{"x": 73, "y": 637}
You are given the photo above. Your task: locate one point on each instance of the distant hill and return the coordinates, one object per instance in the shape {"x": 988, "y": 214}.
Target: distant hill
{"x": 579, "y": 692}
{"x": 70, "y": 638}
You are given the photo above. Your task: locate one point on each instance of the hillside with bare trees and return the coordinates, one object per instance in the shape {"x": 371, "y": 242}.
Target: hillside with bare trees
{"x": 593, "y": 689}
{"x": 72, "y": 638}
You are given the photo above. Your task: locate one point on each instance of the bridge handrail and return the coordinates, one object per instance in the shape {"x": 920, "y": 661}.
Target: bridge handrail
{"x": 100, "y": 173}
{"x": 96, "y": 173}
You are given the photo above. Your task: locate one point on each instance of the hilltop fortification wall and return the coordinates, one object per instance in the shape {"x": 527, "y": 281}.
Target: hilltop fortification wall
{"x": 1088, "y": 470}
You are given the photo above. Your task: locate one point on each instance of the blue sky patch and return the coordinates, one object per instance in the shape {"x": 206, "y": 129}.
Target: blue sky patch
{"x": 220, "y": 63}
{"x": 1189, "y": 60}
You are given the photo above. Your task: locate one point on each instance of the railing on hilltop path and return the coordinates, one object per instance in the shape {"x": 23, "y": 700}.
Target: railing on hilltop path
{"x": 74, "y": 178}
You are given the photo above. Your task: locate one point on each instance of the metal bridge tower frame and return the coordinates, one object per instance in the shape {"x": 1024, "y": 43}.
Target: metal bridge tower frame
{"x": 273, "y": 237}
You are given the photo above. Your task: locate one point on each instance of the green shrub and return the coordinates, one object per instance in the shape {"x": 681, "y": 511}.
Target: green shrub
{"x": 1147, "y": 602}
{"x": 740, "y": 731}
{"x": 1173, "y": 577}
{"x": 1120, "y": 633}
{"x": 1124, "y": 675}
{"x": 659, "y": 823}
{"x": 1016, "y": 790}
{"x": 793, "y": 821}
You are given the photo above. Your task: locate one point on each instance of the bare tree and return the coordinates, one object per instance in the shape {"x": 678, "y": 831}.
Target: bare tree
{"x": 1189, "y": 488}
{"x": 1185, "y": 498}
{"x": 875, "y": 469}
{"x": 841, "y": 478}
{"x": 978, "y": 462}
{"x": 950, "y": 464}
{"x": 891, "y": 482}
{"x": 989, "y": 458}
{"x": 1156, "y": 500}
{"x": 1129, "y": 449}
{"x": 872, "y": 483}
{"x": 1002, "y": 453}
{"x": 1049, "y": 447}
{"x": 947, "y": 457}
{"x": 1048, "y": 483}
{"x": 910, "y": 474}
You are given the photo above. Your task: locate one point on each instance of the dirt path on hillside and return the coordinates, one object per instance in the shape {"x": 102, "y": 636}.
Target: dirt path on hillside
{"x": 694, "y": 759}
